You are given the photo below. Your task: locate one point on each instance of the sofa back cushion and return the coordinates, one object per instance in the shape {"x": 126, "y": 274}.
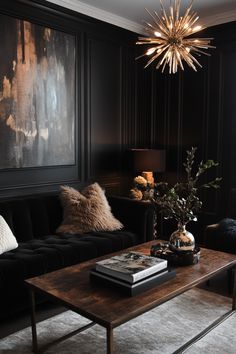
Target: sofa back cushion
{"x": 32, "y": 217}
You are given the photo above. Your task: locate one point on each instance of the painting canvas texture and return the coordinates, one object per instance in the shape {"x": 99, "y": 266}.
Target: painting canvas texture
{"x": 37, "y": 95}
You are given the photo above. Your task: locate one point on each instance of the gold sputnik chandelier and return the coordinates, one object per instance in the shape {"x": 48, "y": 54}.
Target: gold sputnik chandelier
{"x": 168, "y": 38}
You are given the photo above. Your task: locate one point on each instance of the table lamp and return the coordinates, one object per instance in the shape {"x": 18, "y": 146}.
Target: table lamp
{"x": 148, "y": 161}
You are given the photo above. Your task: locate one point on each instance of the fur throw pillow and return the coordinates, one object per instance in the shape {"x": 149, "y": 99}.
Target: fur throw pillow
{"x": 86, "y": 211}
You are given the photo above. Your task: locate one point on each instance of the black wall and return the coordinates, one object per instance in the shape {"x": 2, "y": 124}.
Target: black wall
{"x": 104, "y": 89}
{"x": 121, "y": 105}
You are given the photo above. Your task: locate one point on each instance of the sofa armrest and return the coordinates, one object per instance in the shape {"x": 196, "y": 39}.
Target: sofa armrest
{"x": 136, "y": 216}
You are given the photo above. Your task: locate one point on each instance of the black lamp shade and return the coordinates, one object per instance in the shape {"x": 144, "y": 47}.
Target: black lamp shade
{"x": 149, "y": 160}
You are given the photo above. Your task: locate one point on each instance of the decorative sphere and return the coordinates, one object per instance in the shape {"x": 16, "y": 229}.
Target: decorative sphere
{"x": 182, "y": 240}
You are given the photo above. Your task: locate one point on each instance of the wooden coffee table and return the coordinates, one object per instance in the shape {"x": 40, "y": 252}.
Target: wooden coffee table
{"x": 72, "y": 288}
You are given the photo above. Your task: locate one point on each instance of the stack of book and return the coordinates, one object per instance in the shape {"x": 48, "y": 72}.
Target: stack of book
{"x": 132, "y": 272}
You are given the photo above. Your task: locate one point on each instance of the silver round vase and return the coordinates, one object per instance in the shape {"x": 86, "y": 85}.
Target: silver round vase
{"x": 181, "y": 240}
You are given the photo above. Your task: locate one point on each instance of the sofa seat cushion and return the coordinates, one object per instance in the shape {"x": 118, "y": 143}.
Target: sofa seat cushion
{"x": 52, "y": 252}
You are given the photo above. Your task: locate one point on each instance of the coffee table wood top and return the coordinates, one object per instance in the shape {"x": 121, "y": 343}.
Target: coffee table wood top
{"x": 71, "y": 286}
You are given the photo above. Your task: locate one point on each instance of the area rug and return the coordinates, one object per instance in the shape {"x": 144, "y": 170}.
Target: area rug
{"x": 160, "y": 331}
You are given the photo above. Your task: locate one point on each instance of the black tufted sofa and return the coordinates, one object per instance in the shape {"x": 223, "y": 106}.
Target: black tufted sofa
{"x": 34, "y": 219}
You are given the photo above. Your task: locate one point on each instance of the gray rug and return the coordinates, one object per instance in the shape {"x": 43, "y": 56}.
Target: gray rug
{"x": 160, "y": 331}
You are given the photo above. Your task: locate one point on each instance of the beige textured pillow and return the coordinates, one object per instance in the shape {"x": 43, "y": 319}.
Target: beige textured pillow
{"x": 86, "y": 211}
{"x": 7, "y": 239}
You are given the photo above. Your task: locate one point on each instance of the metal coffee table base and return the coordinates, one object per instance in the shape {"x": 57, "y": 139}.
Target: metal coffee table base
{"x": 35, "y": 346}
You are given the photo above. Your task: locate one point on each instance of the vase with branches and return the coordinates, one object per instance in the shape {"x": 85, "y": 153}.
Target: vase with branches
{"x": 180, "y": 202}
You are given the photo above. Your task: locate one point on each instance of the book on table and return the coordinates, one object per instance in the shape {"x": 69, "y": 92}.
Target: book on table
{"x": 131, "y": 266}
{"x": 132, "y": 289}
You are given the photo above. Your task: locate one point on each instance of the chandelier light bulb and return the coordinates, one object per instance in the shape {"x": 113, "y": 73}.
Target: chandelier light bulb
{"x": 169, "y": 33}
{"x": 151, "y": 51}
{"x": 157, "y": 34}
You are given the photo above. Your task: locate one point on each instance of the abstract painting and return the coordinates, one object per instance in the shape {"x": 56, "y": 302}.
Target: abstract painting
{"x": 37, "y": 95}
